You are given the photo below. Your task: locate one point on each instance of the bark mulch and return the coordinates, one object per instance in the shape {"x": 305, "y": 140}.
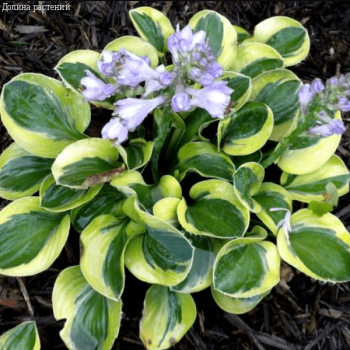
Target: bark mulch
{"x": 300, "y": 313}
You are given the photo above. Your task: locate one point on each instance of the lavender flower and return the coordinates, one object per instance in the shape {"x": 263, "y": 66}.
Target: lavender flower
{"x": 115, "y": 130}
{"x": 343, "y": 104}
{"x": 95, "y": 89}
{"x": 285, "y": 222}
{"x": 135, "y": 70}
{"x": 332, "y": 81}
{"x": 132, "y": 111}
{"x": 206, "y": 79}
{"x": 317, "y": 85}
{"x": 109, "y": 63}
{"x": 327, "y": 126}
{"x": 181, "y": 102}
{"x": 305, "y": 96}
{"x": 193, "y": 58}
{"x": 182, "y": 42}
{"x": 164, "y": 79}
{"x": 214, "y": 98}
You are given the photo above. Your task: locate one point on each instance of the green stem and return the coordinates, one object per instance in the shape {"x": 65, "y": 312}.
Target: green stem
{"x": 163, "y": 60}
{"x": 288, "y": 140}
{"x": 162, "y": 134}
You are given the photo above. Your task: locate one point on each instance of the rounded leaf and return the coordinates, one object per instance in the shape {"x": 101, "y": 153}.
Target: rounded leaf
{"x": 285, "y": 35}
{"x": 271, "y": 196}
{"x": 241, "y": 85}
{"x": 244, "y": 269}
{"x": 135, "y": 45}
{"x": 71, "y": 67}
{"x": 279, "y": 90}
{"x": 25, "y": 336}
{"x": 92, "y": 320}
{"x": 317, "y": 246}
{"x": 220, "y": 34}
{"x": 57, "y": 198}
{"x": 21, "y": 173}
{"x": 306, "y": 154}
{"x": 24, "y": 251}
{"x": 254, "y": 58}
{"x": 237, "y": 306}
{"x": 203, "y": 158}
{"x": 166, "y": 317}
{"x": 247, "y": 130}
{"x": 86, "y": 163}
{"x": 215, "y": 211}
{"x": 311, "y": 187}
{"x": 152, "y": 26}
{"x": 161, "y": 255}
{"x": 42, "y": 115}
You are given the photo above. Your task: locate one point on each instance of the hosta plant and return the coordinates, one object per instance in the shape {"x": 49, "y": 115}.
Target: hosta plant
{"x": 211, "y": 145}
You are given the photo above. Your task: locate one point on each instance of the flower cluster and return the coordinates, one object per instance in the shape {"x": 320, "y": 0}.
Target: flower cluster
{"x": 193, "y": 62}
{"x": 333, "y": 96}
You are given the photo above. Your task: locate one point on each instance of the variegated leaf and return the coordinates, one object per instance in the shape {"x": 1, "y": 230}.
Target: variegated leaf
{"x": 31, "y": 238}
{"x": 247, "y": 130}
{"x": 135, "y": 45}
{"x": 285, "y": 35}
{"x": 166, "y": 317}
{"x": 272, "y": 196}
{"x": 152, "y": 26}
{"x": 237, "y": 306}
{"x": 92, "y": 320}
{"x": 307, "y": 154}
{"x": 102, "y": 262}
{"x": 247, "y": 266}
{"x": 253, "y": 59}
{"x": 200, "y": 275}
{"x": 241, "y": 85}
{"x": 213, "y": 211}
{"x": 317, "y": 246}
{"x": 203, "y": 158}
{"x": 161, "y": 255}
{"x": 108, "y": 201}
{"x": 137, "y": 153}
{"x": 279, "y": 90}
{"x": 221, "y": 36}
{"x": 86, "y": 163}
{"x": 247, "y": 181}
{"x": 43, "y": 116}
{"x": 59, "y": 198}
{"x": 312, "y": 186}
{"x": 25, "y": 337}
{"x": 21, "y": 173}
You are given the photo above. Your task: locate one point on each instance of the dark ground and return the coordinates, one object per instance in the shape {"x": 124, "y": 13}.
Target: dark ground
{"x": 309, "y": 315}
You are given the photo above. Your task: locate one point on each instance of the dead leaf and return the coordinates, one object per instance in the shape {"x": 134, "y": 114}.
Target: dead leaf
{"x": 11, "y": 298}
{"x": 286, "y": 275}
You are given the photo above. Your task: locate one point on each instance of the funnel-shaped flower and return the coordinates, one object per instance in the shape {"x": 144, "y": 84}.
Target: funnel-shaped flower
{"x": 115, "y": 130}
{"x": 95, "y": 89}
{"x": 326, "y": 126}
{"x": 305, "y": 96}
{"x": 213, "y": 98}
{"x": 285, "y": 222}
{"x": 132, "y": 111}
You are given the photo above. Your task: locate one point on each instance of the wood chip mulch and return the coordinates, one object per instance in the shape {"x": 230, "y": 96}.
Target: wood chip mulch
{"x": 300, "y": 313}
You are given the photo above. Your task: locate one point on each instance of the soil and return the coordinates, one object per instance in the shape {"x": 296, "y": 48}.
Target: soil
{"x": 303, "y": 313}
